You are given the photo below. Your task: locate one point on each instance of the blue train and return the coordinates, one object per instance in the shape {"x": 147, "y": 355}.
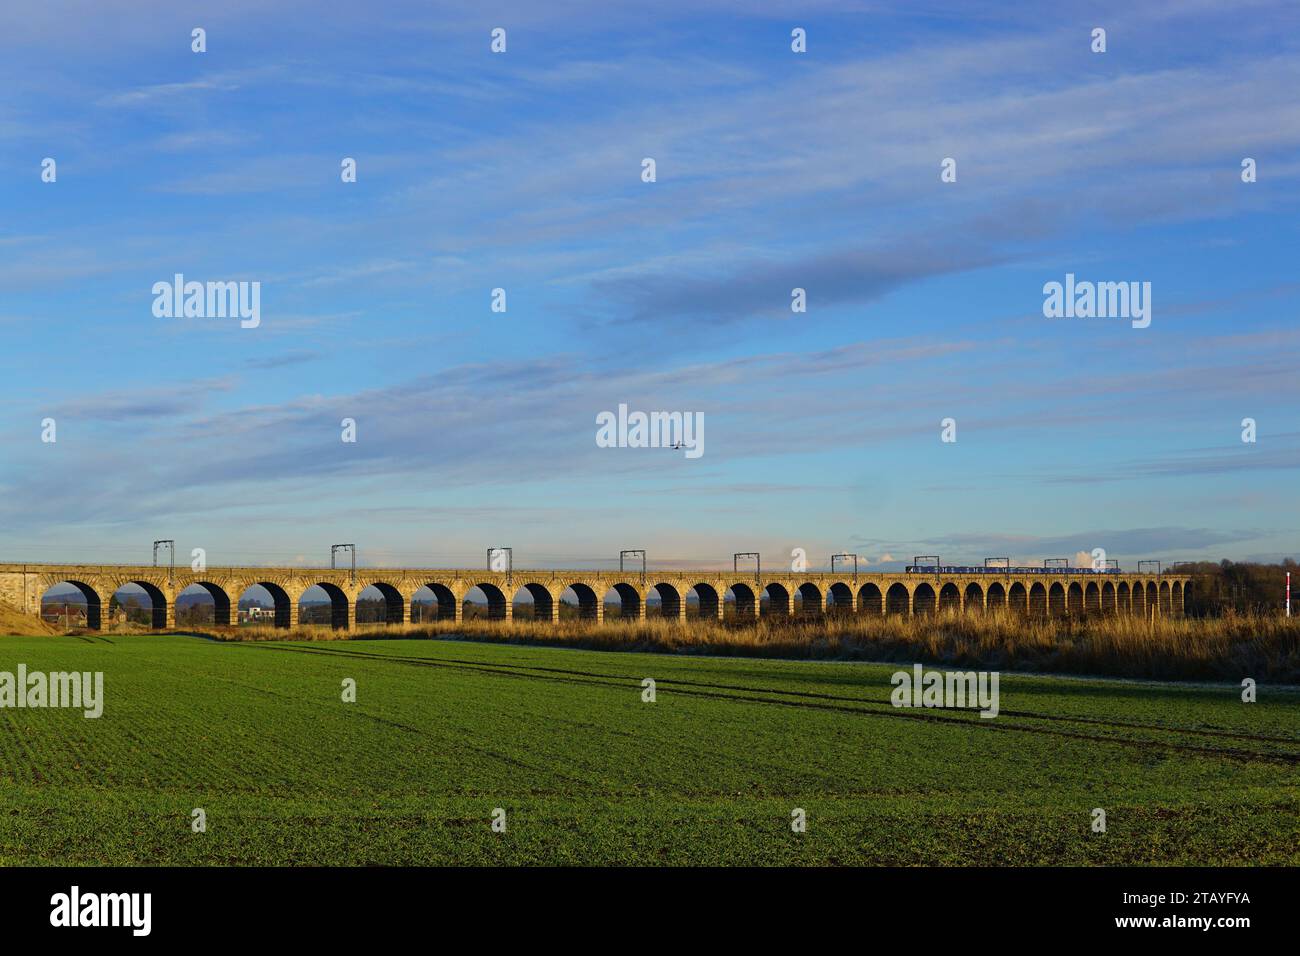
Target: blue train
{"x": 961, "y": 569}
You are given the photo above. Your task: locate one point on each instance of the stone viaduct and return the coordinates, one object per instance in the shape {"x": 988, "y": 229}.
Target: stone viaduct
{"x": 1062, "y": 592}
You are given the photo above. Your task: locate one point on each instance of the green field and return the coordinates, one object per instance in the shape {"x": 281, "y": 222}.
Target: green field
{"x": 444, "y": 731}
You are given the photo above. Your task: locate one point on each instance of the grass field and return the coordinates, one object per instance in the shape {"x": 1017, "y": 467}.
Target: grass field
{"x": 444, "y": 731}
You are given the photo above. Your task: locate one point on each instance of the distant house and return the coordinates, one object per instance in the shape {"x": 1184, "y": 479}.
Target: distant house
{"x": 64, "y": 615}
{"x": 253, "y": 614}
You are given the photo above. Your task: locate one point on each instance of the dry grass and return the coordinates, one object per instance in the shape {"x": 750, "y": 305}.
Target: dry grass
{"x": 14, "y": 621}
{"x": 1227, "y": 648}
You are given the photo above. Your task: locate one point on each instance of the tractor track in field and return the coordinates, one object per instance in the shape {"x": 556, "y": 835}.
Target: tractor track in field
{"x": 1262, "y": 738}
{"x": 839, "y": 704}
{"x": 838, "y": 698}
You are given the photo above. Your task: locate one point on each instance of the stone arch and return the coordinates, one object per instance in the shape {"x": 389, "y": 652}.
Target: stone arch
{"x": 284, "y": 609}
{"x": 670, "y": 601}
{"x": 707, "y": 600}
{"x": 1178, "y": 606}
{"x": 973, "y": 598}
{"x": 1122, "y": 600}
{"x": 497, "y": 608}
{"x": 811, "y": 602}
{"x": 870, "y": 601}
{"x": 589, "y": 606}
{"x": 94, "y": 607}
{"x": 220, "y": 601}
{"x": 1108, "y": 605}
{"x": 949, "y": 599}
{"x": 157, "y": 601}
{"x": 629, "y": 601}
{"x": 446, "y": 598}
{"x": 1018, "y": 599}
{"x": 841, "y": 598}
{"x": 1153, "y": 597}
{"x": 1056, "y": 600}
{"x": 1074, "y": 598}
{"x": 923, "y": 600}
{"x": 1092, "y": 598}
{"x": 393, "y": 610}
{"x": 897, "y": 600}
{"x": 746, "y": 602}
{"x": 1139, "y": 598}
{"x": 996, "y": 599}
{"x": 1166, "y": 605}
{"x": 1037, "y": 600}
{"x": 541, "y": 602}
{"x": 338, "y": 603}
{"x": 779, "y": 602}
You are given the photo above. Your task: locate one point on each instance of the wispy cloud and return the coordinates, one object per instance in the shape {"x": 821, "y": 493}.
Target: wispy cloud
{"x": 147, "y": 403}
{"x": 283, "y": 360}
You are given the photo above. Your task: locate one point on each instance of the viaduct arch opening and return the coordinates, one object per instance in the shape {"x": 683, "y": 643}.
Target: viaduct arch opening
{"x": 897, "y": 600}
{"x": 707, "y": 604}
{"x": 532, "y": 602}
{"x": 1056, "y": 600}
{"x": 203, "y": 603}
{"x": 1092, "y": 598}
{"x": 777, "y": 601}
{"x": 484, "y": 600}
{"x": 809, "y": 601}
{"x": 583, "y": 598}
{"x": 72, "y": 604}
{"x": 265, "y": 603}
{"x": 380, "y": 603}
{"x": 433, "y": 602}
{"x": 870, "y": 601}
{"x": 1139, "y": 597}
{"x": 841, "y": 599}
{"x": 667, "y": 602}
{"x": 1037, "y": 600}
{"x": 626, "y": 599}
{"x": 323, "y": 604}
{"x": 1108, "y": 605}
{"x": 923, "y": 600}
{"x": 741, "y": 603}
{"x": 139, "y": 602}
{"x": 1018, "y": 599}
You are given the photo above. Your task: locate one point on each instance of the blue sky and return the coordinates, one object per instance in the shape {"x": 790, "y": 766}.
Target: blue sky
{"x": 522, "y": 171}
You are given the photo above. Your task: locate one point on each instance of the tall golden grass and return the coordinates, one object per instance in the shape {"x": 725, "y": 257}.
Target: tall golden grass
{"x": 1266, "y": 648}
